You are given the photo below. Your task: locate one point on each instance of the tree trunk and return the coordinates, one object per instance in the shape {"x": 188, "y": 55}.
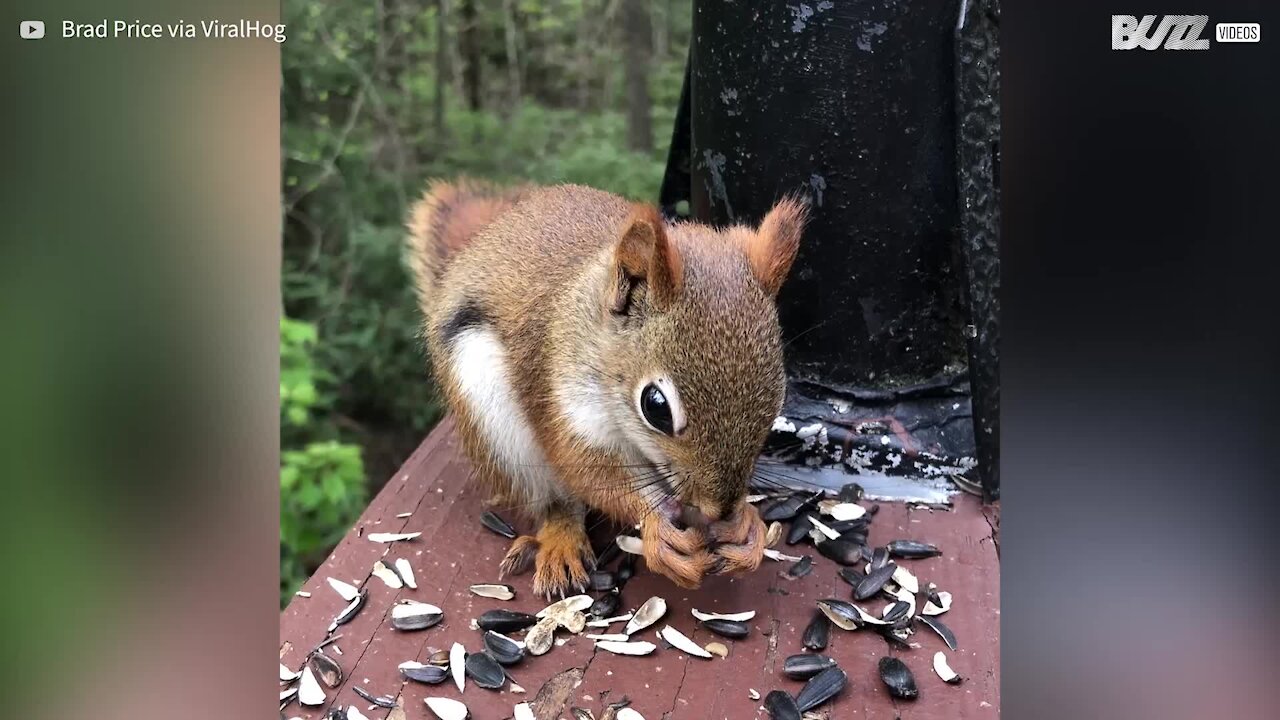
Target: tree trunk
{"x": 636, "y": 39}
{"x": 469, "y": 34}
{"x": 442, "y": 66}
{"x": 513, "y": 55}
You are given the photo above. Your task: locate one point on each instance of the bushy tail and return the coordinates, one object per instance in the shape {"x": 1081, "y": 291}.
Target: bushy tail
{"x": 446, "y": 218}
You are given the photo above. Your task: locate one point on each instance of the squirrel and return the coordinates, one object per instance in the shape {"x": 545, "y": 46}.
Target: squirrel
{"x": 595, "y": 356}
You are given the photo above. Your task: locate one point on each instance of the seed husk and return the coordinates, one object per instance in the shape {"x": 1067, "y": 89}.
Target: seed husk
{"x": 610, "y": 637}
{"x": 423, "y": 673}
{"x": 879, "y": 558}
{"x": 287, "y": 675}
{"x": 524, "y": 712}
{"x": 606, "y": 622}
{"x": 799, "y": 530}
{"x": 894, "y": 611}
{"x": 384, "y": 701}
{"x": 447, "y": 708}
{"x": 912, "y": 550}
{"x": 605, "y": 605}
{"x": 841, "y": 550}
{"x": 505, "y": 621}
{"x": 287, "y": 694}
{"x": 438, "y": 657}
{"x": 326, "y": 668}
{"x": 457, "y": 665}
{"x": 503, "y": 649}
{"x": 717, "y": 649}
{"x": 627, "y": 713}
{"x": 630, "y": 544}
{"x": 392, "y": 537}
{"x": 569, "y": 605}
{"x": 897, "y": 676}
{"x": 783, "y": 509}
{"x": 681, "y": 642}
{"x": 846, "y": 511}
{"x": 731, "y": 629}
{"x": 495, "y": 591}
{"x": 852, "y": 575}
{"x": 346, "y": 590}
{"x": 405, "y": 571}
{"x": 906, "y": 580}
{"x": 818, "y": 632}
{"x": 737, "y": 617}
{"x": 350, "y": 611}
{"x": 602, "y": 580}
{"x": 873, "y": 582}
{"x": 781, "y": 706}
{"x": 635, "y": 647}
{"x": 943, "y": 631}
{"x": 844, "y": 615}
{"x": 309, "y": 690}
{"x": 649, "y": 613}
{"x": 937, "y": 605}
{"x": 541, "y": 636}
{"x": 485, "y": 671}
{"x": 387, "y": 575}
{"x": 410, "y": 616}
{"x": 802, "y": 567}
{"x": 494, "y": 523}
{"x": 821, "y": 688}
{"x": 943, "y": 669}
{"x": 822, "y": 529}
{"x": 773, "y": 534}
{"x": 806, "y": 665}
{"x": 780, "y": 557}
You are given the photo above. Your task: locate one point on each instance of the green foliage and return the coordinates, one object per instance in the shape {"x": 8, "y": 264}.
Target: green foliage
{"x": 369, "y": 113}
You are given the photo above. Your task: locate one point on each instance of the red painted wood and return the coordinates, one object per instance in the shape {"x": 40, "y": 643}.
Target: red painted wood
{"x": 455, "y": 552}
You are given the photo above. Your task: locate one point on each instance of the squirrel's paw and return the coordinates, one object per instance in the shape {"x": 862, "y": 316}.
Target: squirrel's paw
{"x": 679, "y": 554}
{"x": 740, "y": 540}
{"x": 564, "y": 554}
{"x": 519, "y": 557}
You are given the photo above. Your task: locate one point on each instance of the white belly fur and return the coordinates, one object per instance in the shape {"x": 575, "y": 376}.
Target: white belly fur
{"x": 479, "y": 365}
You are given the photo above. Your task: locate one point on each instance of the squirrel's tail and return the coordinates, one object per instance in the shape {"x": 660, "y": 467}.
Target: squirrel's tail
{"x": 445, "y": 219}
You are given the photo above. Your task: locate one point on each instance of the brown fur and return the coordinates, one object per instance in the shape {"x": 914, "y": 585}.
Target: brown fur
{"x": 585, "y": 289}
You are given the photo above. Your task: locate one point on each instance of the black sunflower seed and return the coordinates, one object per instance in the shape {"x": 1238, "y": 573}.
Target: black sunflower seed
{"x": 605, "y": 605}
{"x": 943, "y": 631}
{"x": 502, "y": 648}
{"x": 429, "y": 674}
{"x": 799, "y": 530}
{"x": 931, "y": 594}
{"x": 781, "y": 706}
{"x": 783, "y": 509}
{"x": 806, "y": 665}
{"x": 351, "y": 610}
{"x": 626, "y": 569}
{"x": 879, "y": 558}
{"x": 897, "y": 611}
{"x": 496, "y": 524}
{"x": 602, "y": 580}
{"x": 802, "y": 567}
{"x": 850, "y": 492}
{"x": 818, "y": 632}
{"x": 821, "y": 688}
{"x": 873, "y": 582}
{"x": 841, "y": 550}
{"x": 384, "y": 701}
{"x": 847, "y": 526}
{"x": 897, "y": 676}
{"x": 485, "y": 671}
{"x": 505, "y": 621}
{"x": 727, "y": 628}
{"x": 326, "y": 668}
{"x": 912, "y": 550}
{"x": 843, "y": 614}
{"x": 851, "y": 575}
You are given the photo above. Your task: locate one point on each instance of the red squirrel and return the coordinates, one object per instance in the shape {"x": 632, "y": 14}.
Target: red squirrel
{"x": 596, "y": 356}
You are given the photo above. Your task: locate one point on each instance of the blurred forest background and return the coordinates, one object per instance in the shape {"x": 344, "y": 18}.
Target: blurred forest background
{"x": 377, "y": 97}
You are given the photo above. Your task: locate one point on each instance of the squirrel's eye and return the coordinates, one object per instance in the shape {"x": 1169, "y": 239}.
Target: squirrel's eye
{"x": 656, "y": 409}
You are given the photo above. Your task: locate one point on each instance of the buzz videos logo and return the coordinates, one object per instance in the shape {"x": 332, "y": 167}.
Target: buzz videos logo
{"x": 1176, "y": 32}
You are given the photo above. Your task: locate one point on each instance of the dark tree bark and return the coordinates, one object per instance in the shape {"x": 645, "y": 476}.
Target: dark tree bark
{"x": 442, "y": 65}
{"x": 637, "y": 36}
{"x": 469, "y": 34}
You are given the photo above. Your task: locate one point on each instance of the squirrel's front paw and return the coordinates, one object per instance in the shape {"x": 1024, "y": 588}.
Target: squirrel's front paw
{"x": 564, "y": 554}
{"x": 679, "y": 554}
{"x": 740, "y": 540}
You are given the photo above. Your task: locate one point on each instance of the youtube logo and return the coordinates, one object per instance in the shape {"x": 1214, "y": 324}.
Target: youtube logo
{"x": 31, "y": 29}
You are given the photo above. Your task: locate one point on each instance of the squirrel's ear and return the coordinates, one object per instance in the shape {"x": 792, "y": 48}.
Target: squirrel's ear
{"x": 773, "y": 247}
{"x": 645, "y": 254}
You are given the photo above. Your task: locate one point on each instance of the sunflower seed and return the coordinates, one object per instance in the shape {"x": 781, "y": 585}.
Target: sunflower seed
{"x": 505, "y": 621}
{"x": 309, "y": 691}
{"x": 627, "y": 713}
{"x": 842, "y": 550}
{"x": 601, "y": 580}
{"x": 447, "y": 709}
{"x": 326, "y": 668}
{"x": 392, "y": 537}
{"x": 781, "y": 706}
{"x": 605, "y": 605}
{"x": 903, "y": 578}
{"x": 649, "y": 613}
{"x": 851, "y": 492}
{"x": 541, "y": 636}
{"x": 524, "y": 712}
{"x": 438, "y": 657}
{"x": 818, "y": 632}
{"x": 606, "y": 622}
{"x": 303, "y": 594}
{"x": 581, "y": 713}
{"x": 912, "y": 550}
{"x": 348, "y": 592}
{"x": 897, "y": 676}
{"x": 635, "y": 647}
{"x": 799, "y": 530}
{"x": 846, "y": 511}
{"x": 569, "y": 605}
{"x": 287, "y": 675}
{"x": 485, "y": 671}
{"x": 805, "y": 666}
{"x": 349, "y": 611}
{"x": 287, "y": 694}
{"x": 753, "y": 693}
{"x": 630, "y": 544}
{"x": 851, "y": 575}
{"x": 731, "y": 629}
{"x": 496, "y": 524}
{"x": 430, "y": 674}
{"x": 821, "y": 527}
{"x": 780, "y": 557}
{"x": 942, "y": 605}
{"x": 783, "y": 509}
{"x": 610, "y": 637}
{"x": 736, "y": 617}
{"x": 879, "y": 558}
{"x": 495, "y": 591}
{"x": 753, "y": 499}
{"x": 387, "y": 575}
{"x": 873, "y": 582}
{"x": 943, "y": 631}
{"x": 821, "y": 688}
{"x": 415, "y": 616}
{"x": 385, "y": 701}
{"x": 895, "y": 610}
{"x": 503, "y": 649}
{"x": 353, "y": 713}
{"x": 944, "y": 670}
{"x": 457, "y": 664}
{"x": 682, "y": 643}
{"x": 717, "y": 649}
{"x": 405, "y": 571}
{"x": 802, "y": 567}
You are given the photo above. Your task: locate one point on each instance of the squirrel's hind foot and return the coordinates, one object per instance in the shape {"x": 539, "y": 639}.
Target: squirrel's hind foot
{"x": 519, "y": 557}
{"x": 561, "y": 555}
